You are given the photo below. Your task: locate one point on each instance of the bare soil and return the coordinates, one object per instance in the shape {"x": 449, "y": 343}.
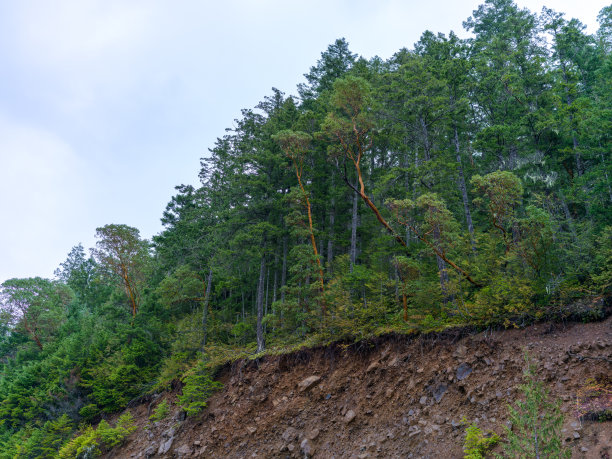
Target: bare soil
{"x": 394, "y": 396}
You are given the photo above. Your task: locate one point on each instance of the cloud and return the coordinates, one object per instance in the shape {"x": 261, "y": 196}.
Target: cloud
{"x": 39, "y": 179}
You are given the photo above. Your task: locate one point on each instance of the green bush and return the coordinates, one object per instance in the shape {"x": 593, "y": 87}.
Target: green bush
{"x": 87, "y": 445}
{"x": 160, "y": 412}
{"x": 88, "y": 412}
{"x": 198, "y": 388}
{"x": 536, "y": 422}
{"x": 84, "y": 446}
{"x": 476, "y": 444}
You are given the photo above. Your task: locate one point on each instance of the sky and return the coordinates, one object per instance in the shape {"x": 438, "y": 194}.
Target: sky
{"x": 107, "y": 105}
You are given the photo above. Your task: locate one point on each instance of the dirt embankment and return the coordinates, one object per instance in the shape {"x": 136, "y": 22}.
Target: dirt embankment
{"x": 391, "y": 397}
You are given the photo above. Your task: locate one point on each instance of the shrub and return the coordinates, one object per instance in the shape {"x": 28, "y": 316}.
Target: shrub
{"x": 198, "y": 388}
{"x": 476, "y": 444}
{"x": 160, "y": 411}
{"x": 594, "y": 400}
{"x": 87, "y": 445}
{"x": 88, "y": 412}
{"x": 536, "y": 422}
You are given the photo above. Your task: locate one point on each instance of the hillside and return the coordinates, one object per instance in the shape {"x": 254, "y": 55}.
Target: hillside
{"x": 395, "y": 396}
{"x": 462, "y": 184}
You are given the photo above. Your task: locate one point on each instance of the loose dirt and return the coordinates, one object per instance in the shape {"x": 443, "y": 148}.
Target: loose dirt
{"x": 392, "y": 397}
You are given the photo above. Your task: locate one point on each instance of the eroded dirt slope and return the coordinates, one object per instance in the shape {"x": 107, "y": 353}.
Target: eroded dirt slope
{"x": 393, "y": 397}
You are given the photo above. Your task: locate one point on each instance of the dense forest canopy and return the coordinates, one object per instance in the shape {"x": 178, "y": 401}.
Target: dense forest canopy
{"x": 460, "y": 182}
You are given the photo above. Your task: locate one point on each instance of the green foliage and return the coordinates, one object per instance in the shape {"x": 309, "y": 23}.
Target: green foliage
{"x": 492, "y": 153}
{"x": 84, "y": 446}
{"x": 87, "y": 445}
{"x": 594, "y": 399}
{"x": 197, "y": 389}
{"x": 160, "y": 412}
{"x": 476, "y": 444}
{"x": 88, "y": 412}
{"x": 110, "y": 436}
{"x": 602, "y": 277}
{"x": 536, "y": 422}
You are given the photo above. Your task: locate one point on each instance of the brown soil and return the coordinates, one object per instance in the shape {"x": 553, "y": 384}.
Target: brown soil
{"x": 392, "y": 397}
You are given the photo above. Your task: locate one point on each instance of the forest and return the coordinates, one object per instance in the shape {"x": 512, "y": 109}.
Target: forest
{"x": 462, "y": 182}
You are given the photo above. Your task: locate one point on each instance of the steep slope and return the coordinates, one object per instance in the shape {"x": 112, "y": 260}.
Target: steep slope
{"x": 391, "y": 397}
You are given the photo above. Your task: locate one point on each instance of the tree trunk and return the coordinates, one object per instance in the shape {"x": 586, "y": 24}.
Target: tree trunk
{"x": 274, "y": 287}
{"x": 205, "y": 307}
{"x": 442, "y": 272}
{"x": 332, "y": 221}
{"x": 355, "y": 216}
{"x": 463, "y": 190}
{"x": 568, "y": 216}
{"x": 284, "y": 270}
{"x": 260, "y": 294}
{"x": 32, "y": 332}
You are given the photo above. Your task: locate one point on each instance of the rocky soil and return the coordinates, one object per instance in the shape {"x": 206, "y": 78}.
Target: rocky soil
{"x": 395, "y": 396}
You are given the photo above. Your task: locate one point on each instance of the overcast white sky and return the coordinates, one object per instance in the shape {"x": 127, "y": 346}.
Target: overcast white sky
{"x": 106, "y": 105}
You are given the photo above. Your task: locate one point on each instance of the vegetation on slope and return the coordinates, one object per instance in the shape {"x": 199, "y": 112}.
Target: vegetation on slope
{"x": 458, "y": 182}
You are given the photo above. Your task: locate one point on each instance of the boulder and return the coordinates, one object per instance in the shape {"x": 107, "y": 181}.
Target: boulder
{"x": 150, "y": 451}
{"x": 306, "y": 447}
{"x": 439, "y": 392}
{"x": 349, "y": 416}
{"x": 463, "y": 371}
{"x": 183, "y": 451}
{"x": 309, "y": 383}
{"x": 289, "y": 434}
{"x": 165, "y": 446}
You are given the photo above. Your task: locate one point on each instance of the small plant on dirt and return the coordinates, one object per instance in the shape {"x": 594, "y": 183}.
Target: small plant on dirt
{"x": 198, "y": 388}
{"x": 84, "y": 446}
{"x": 160, "y": 412}
{"x": 476, "y": 443}
{"x": 536, "y": 422}
{"x": 594, "y": 400}
{"x": 87, "y": 445}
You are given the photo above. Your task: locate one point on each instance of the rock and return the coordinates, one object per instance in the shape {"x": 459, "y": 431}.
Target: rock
{"x": 463, "y": 371}
{"x": 349, "y": 416}
{"x": 181, "y": 415}
{"x": 168, "y": 433}
{"x": 306, "y": 447}
{"x": 576, "y": 435}
{"x": 460, "y": 351}
{"x": 423, "y": 400}
{"x": 183, "y": 451}
{"x": 439, "y": 392}
{"x": 289, "y": 434}
{"x": 313, "y": 434}
{"x": 251, "y": 430}
{"x": 150, "y": 451}
{"x": 165, "y": 446}
{"x": 290, "y": 446}
{"x": 373, "y": 366}
{"x": 309, "y": 383}
{"x": 197, "y": 443}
